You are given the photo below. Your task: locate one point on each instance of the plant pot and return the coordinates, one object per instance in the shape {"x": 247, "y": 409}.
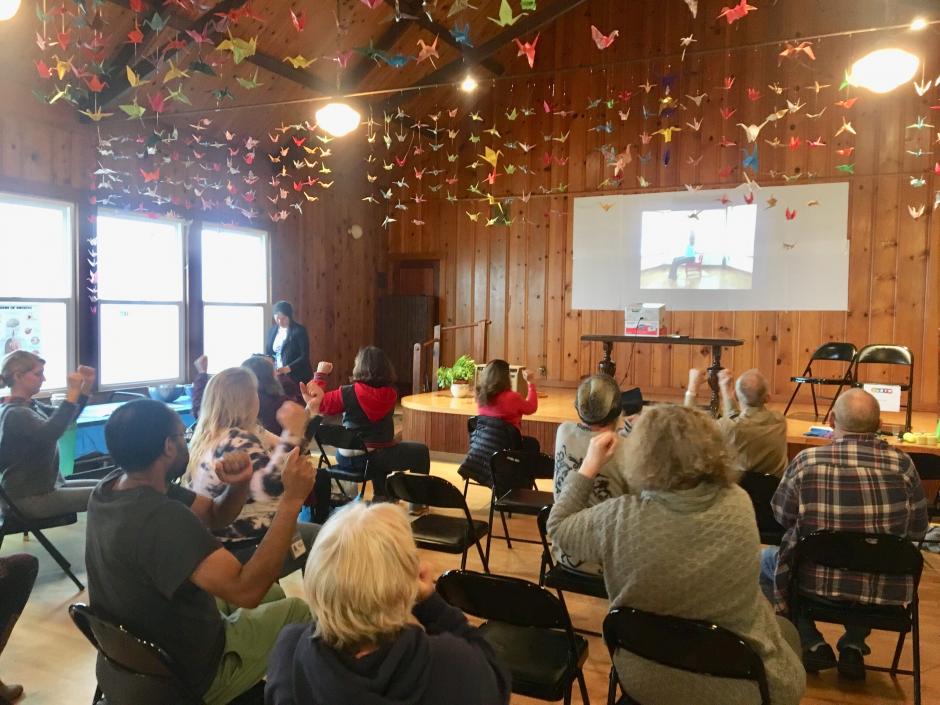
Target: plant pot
{"x": 460, "y": 390}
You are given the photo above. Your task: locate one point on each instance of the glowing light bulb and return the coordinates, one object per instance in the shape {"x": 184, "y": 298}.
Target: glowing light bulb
{"x": 469, "y": 84}
{"x": 918, "y": 24}
{"x": 8, "y": 8}
{"x": 338, "y": 119}
{"x": 883, "y": 70}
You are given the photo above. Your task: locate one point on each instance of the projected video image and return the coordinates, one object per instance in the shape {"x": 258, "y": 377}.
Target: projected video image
{"x": 706, "y": 249}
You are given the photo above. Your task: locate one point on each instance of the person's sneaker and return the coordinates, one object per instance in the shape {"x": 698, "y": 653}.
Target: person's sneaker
{"x": 819, "y": 658}
{"x": 851, "y": 664}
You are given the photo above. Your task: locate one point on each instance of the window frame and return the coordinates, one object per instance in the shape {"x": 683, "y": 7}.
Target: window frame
{"x": 71, "y": 303}
{"x": 204, "y": 303}
{"x": 182, "y": 306}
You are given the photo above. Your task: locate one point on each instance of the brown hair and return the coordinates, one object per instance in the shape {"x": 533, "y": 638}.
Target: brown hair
{"x": 263, "y": 367}
{"x": 373, "y": 367}
{"x": 493, "y": 380}
{"x": 16, "y": 363}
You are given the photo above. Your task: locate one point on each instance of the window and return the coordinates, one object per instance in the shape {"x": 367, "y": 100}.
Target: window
{"x": 36, "y": 289}
{"x": 234, "y": 293}
{"x": 140, "y": 295}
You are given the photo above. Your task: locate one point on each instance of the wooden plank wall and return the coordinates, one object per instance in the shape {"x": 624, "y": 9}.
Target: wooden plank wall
{"x": 521, "y": 277}
{"x": 329, "y": 276}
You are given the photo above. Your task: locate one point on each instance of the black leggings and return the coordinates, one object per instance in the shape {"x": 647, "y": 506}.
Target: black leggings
{"x": 17, "y": 575}
{"x": 413, "y": 457}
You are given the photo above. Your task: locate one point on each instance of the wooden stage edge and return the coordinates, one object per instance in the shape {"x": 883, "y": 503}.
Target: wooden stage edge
{"x": 440, "y": 421}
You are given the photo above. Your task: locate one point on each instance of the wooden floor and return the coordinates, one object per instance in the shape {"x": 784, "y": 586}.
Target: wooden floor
{"x": 708, "y": 278}
{"x": 56, "y": 664}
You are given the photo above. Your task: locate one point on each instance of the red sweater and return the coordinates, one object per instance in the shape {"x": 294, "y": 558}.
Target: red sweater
{"x": 376, "y": 402}
{"x": 510, "y": 406}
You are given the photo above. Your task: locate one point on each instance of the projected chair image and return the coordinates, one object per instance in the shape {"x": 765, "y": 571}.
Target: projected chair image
{"x": 831, "y": 352}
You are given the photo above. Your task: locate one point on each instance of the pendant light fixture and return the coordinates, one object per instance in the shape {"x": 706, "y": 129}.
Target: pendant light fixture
{"x": 8, "y": 8}
{"x": 883, "y": 70}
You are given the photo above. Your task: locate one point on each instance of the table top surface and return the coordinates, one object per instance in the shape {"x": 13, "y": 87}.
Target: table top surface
{"x": 556, "y": 405}
{"x": 100, "y": 413}
{"x": 663, "y": 340}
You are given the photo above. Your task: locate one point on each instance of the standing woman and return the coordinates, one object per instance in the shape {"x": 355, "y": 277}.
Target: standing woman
{"x": 29, "y": 432}
{"x": 288, "y": 344}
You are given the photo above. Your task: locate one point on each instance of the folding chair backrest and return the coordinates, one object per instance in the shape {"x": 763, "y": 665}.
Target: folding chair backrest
{"x": 503, "y": 599}
{"x": 761, "y": 487}
{"x": 424, "y": 489}
{"x": 339, "y": 437}
{"x": 518, "y": 469}
{"x": 121, "y": 647}
{"x": 689, "y": 645}
{"x": 542, "y": 521}
{"x": 886, "y": 355}
{"x": 840, "y": 352}
{"x": 864, "y": 553}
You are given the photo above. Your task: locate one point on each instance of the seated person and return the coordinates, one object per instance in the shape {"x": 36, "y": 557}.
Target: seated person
{"x": 381, "y": 632}
{"x": 495, "y": 398}
{"x": 154, "y": 566}
{"x": 598, "y": 402}
{"x": 17, "y": 576}
{"x": 273, "y": 390}
{"x": 29, "y": 435}
{"x": 757, "y": 434}
{"x": 631, "y": 404}
{"x": 857, "y": 483}
{"x": 368, "y": 407}
{"x": 688, "y": 257}
{"x": 682, "y": 543}
{"x": 229, "y": 423}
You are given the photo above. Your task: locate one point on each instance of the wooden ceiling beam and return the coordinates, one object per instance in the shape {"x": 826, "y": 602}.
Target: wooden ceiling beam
{"x": 416, "y": 15}
{"x": 472, "y": 57}
{"x": 357, "y": 74}
{"x": 119, "y": 85}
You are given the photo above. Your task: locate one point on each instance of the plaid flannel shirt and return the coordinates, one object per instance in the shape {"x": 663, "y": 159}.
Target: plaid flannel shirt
{"x": 860, "y": 484}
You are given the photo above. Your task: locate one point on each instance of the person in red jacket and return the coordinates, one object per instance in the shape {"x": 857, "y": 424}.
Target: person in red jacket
{"x": 495, "y": 398}
{"x": 368, "y": 407}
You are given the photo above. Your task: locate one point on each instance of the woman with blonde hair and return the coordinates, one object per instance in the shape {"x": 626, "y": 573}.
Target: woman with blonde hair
{"x": 685, "y": 544}
{"x": 29, "y": 433}
{"x": 228, "y": 422}
{"x": 381, "y": 634}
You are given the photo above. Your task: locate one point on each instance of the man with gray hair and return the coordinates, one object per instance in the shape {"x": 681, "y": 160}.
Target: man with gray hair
{"x": 857, "y": 484}
{"x": 757, "y": 434}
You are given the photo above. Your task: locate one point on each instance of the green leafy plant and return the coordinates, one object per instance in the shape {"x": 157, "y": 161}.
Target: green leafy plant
{"x": 462, "y": 371}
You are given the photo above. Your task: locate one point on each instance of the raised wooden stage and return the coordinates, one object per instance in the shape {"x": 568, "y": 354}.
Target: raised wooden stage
{"x": 440, "y": 421}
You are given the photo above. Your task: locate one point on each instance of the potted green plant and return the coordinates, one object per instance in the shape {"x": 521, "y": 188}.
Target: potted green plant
{"x": 458, "y": 377}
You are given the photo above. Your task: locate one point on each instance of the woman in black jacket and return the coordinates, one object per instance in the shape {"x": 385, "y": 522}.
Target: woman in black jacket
{"x": 288, "y": 344}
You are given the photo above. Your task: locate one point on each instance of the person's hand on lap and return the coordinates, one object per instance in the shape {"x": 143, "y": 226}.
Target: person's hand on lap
{"x": 233, "y": 468}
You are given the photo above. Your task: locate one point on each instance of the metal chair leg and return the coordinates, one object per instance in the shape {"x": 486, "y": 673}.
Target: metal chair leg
{"x": 483, "y": 559}
{"x": 792, "y": 397}
{"x": 58, "y": 558}
{"x": 915, "y": 639}
{"x": 812, "y": 389}
{"x": 502, "y": 516}
{"x": 612, "y": 687}
{"x": 568, "y": 694}
{"x": 897, "y": 654}
{"x": 583, "y": 686}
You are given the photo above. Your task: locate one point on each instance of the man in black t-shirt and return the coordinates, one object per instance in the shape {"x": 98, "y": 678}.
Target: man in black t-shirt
{"x": 154, "y": 566}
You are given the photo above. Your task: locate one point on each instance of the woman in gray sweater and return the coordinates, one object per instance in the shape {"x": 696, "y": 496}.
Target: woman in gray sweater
{"x": 29, "y": 432}
{"x": 685, "y": 544}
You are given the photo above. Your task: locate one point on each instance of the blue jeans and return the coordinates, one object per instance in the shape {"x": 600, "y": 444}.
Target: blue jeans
{"x": 810, "y": 637}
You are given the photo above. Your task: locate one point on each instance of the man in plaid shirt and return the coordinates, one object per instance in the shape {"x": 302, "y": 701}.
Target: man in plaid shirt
{"x": 859, "y": 484}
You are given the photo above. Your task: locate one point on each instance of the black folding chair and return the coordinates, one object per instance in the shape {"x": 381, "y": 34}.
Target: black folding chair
{"x": 528, "y": 628}
{"x": 685, "y": 644}
{"x": 890, "y": 355}
{"x": 760, "y": 487}
{"x": 14, "y": 522}
{"x": 514, "y": 489}
{"x": 439, "y": 532}
{"x": 879, "y": 554}
{"x": 928, "y": 469}
{"x": 139, "y": 672}
{"x": 829, "y": 352}
{"x": 341, "y": 437}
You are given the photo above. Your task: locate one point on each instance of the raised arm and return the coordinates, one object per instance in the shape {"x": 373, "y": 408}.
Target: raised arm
{"x": 531, "y": 403}
{"x": 221, "y": 575}
{"x": 573, "y": 526}
{"x": 332, "y": 401}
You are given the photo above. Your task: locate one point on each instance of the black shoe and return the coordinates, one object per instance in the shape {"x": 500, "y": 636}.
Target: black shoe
{"x": 851, "y": 664}
{"x": 819, "y": 658}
